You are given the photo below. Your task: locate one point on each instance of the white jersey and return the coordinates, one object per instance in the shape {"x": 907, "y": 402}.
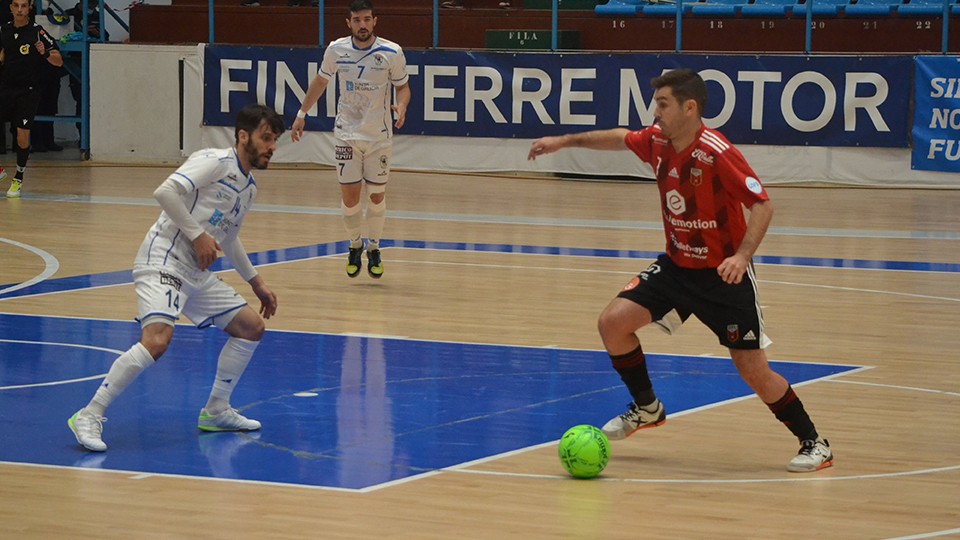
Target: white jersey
{"x": 219, "y": 194}
{"x": 366, "y": 77}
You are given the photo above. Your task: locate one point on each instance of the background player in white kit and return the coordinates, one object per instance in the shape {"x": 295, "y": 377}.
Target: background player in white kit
{"x": 367, "y": 67}
{"x": 204, "y": 203}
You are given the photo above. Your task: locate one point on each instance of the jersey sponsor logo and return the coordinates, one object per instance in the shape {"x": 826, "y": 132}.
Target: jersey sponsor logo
{"x": 698, "y": 224}
{"x": 170, "y": 279}
{"x": 633, "y": 283}
{"x": 753, "y": 185}
{"x": 216, "y": 218}
{"x": 694, "y": 252}
{"x": 673, "y": 173}
{"x": 749, "y": 336}
{"x": 343, "y": 153}
{"x": 700, "y": 155}
{"x": 733, "y": 332}
{"x": 696, "y": 176}
{"x": 675, "y": 202}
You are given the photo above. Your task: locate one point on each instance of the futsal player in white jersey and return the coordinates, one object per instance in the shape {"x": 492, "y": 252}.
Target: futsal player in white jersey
{"x": 367, "y": 67}
{"x": 204, "y": 203}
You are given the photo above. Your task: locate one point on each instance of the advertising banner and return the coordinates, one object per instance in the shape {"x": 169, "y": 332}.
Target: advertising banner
{"x": 774, "y": 100}
{"x": 936, "y": 114}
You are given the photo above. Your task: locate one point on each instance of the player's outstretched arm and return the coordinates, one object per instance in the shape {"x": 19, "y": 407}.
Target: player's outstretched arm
{"x": 607, "y": 139}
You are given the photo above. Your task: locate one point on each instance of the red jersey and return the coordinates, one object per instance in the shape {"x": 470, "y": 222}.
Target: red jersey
{"x": 702, "y": 189}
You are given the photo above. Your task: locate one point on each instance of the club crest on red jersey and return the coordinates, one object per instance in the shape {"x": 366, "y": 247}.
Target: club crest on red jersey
{"x": 696, "y": 177}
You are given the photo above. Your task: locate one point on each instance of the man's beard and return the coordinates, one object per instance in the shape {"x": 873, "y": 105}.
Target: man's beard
{"x": 254, "y": 157}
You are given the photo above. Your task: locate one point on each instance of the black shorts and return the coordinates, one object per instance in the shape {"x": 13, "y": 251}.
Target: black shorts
{"x": 19, "y": 106}
{"x": 672, "y": 294}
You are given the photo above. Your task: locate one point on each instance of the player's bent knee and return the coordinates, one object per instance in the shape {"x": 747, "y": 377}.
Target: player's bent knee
{"x": 156, "y": 343}
{"x": 155, "y": 335}
{"x": 247, "y": 325}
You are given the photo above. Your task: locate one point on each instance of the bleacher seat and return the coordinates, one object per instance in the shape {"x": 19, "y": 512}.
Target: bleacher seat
{"x": 924, "y": 8}
{"x": 617, "y": 8}
{"x": 717, "y": 8}
{"x": 871, "y": 8}
{"x": 767, "y": 8}
{"x": 664, "y": 9}
{"x": 821, "y": 8}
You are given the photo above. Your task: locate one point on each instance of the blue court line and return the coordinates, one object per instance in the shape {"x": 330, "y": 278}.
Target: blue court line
{"x": 302, "y": 253}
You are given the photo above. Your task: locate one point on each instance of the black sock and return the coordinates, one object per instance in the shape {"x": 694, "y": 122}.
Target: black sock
{"x": 632, "y": 368}
{"x": 789, "y": 410}
{"x": 22, "y": 155}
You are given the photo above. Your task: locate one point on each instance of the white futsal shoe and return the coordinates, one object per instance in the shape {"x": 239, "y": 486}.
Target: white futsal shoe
{"x": 228, "y": 420}
{"x": 636, "y": 418}
{"x": 88, "y": 428}
{"x": 813, "y": 456}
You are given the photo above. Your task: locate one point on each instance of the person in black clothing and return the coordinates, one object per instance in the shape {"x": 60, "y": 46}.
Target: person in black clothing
{"x": 73, "y": 58}
{"x": 5, "y": 17}
{"x": 25, "y": 47}
{"x": 42, "y": 137}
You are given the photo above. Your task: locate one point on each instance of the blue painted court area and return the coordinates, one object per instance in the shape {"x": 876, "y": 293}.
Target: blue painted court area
{"x": 370, "y": 410}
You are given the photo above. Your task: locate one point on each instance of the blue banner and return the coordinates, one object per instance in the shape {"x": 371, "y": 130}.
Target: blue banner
{"x": 936, "y": 114}
{"x": 779, "y": 100}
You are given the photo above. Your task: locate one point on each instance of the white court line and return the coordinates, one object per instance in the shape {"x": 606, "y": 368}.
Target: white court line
{"x": 50, "y": 265}
{"x": 857, "y": 289}
{"x": 56, "y": 344}
{"x": 898, "y": 387}
{"x": 720, "y": 481}
{"x": 36, "y": 295}
{"x": 927, "y": 535}
{"x": 521, "y": 220}
{"x": 633, "y": 273}
{"x": 140, "y": 475}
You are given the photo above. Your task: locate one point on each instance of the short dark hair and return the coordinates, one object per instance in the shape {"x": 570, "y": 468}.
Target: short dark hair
{"x": 250, "y": 117}
{"x": 360, "y": 5}
{"x": 684, "y": 84}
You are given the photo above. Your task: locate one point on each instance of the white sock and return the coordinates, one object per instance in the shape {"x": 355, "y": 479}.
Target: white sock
{"x": 234, "y": 357}
{"x": 352, "y": 221}
{"x": 376, "y": 215}
{"x": 124, "y": 370}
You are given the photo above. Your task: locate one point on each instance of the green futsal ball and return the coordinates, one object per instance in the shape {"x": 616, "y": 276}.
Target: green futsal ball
{"x": 584, "y": 451}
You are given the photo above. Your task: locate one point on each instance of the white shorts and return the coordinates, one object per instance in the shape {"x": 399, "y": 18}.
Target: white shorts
{"x": 163, "y": 294}
{"x": 363, "y": 161}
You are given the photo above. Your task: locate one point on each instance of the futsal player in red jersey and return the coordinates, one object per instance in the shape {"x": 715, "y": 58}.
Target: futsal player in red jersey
{"x": 707, "y": 270}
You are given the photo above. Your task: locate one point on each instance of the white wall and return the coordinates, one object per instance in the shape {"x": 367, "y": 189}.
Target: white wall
{"x": 135, "y": 102}
{"x": 135, "y": 118}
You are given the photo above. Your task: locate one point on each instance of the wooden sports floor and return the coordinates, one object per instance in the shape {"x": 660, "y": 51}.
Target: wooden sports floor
{"x": 860, "y": 277}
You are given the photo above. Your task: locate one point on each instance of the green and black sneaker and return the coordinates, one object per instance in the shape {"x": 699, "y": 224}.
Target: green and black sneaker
{"x": 374, "y": 264}
{"x": 354, "y": 262}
